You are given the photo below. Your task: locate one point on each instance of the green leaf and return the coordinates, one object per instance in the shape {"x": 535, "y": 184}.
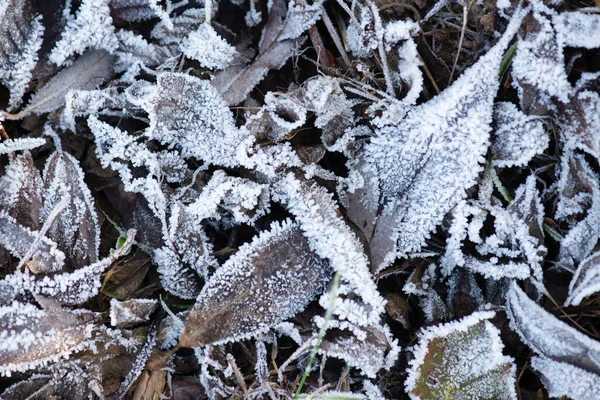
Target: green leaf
{"x": 461, "y": 359}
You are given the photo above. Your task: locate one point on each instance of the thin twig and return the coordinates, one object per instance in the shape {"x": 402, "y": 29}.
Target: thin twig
{"x": 466, "y": 7}
{"x": 335, "y": 37}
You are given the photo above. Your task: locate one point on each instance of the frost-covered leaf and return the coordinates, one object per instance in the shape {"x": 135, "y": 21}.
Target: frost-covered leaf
{"x": 32, "y": 337}
{"x": 539, "y": 60}
{"x": 21, "y": 191}
{"x": 79, "y": 286}
{"x": 332, "y": 239}
{"x": 75, "y": 229}
{"x": 133, "y": 10}
{"x": 280, "y": 38}
{"x": 87, "y": 72}
{"x": 586, "y": 280}
{"x": 125, "y": 314}
{"x": 207, "y": 47}
{"x": 548, "y": 336}
{"x": 18, "y": 55}
{"x": 80, "y": 103}
{"x": 578, "y": 29}
{"x": 461, "y": 359}
{"x": 188, "y": 114}
{"x": 539, "y": 64}
{"x": 425, "y": 164}
{"x": 19, "y": 241}
{"x": 367, "y": 349}
{"x": 21, "y": 144}
{"x": 578, "y": 194}
{"x": 580, "y": 118}
{"x": 518, "y": 137}
{"x": 514, "y": 250}
{"x": 566, "y": 380}
{"x": 266, "y": 282}
{"x": 90, "y": 28}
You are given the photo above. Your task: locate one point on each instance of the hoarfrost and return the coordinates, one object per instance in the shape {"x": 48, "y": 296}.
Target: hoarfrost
{"x": 461, "y": 359}
{"x": 92, "y": 27}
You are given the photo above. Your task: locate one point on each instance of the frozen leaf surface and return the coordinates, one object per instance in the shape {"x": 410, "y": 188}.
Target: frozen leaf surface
{"x": 75, "y": 229}
{"x": 266, "y": 282}
{"x": 18, "y": 55}
{"x": 461, "y": 359}
{"x": 548, "y": 336}
{"x": 21, "y": 144}
{"x": 32, "y": 337}
{"x": 586, "y": 280}
{"x": 19, "y": 241}
{"x": 425, "y": 164}
{"x": 332, "y": 239}
{"x": 21, "y": 191}
{"x": 562, "y": 379}
{"x": 280, "y": 38}
{"x": 367, "y": 349}
{"x": 578, "y": 203}
{"x": 87, "y": 72}
{"x": 187, "y": 113}
{"x": 208, "y": 48}
{"x": 518, "y": 138}
{"x": 125, "y": 314}
{"x": 91, "y": 28}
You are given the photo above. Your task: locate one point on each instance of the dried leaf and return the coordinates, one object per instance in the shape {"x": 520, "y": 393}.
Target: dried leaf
{"x": 586, "y": 280}
{"x": 75, "y": 229}
{"x": 266, "y": 282}
{"x": 461, "y": 359}
{"x": 424, "y": 164}
{"x": 87, "y": 72}
{"x": 279, "y": 40}
{"x": 548, "y": 336}
{"x": 21, "y": 191}
{"x": 32, "y": 337}
{"x": 18, "y": 55}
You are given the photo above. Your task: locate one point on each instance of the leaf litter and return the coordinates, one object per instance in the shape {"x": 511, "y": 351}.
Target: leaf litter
{"x": 252, "y": 199}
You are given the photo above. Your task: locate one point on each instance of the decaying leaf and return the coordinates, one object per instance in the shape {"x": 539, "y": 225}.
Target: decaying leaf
{"x": 280, "y": 38}
{"x": 75, "y": 229}
{"x": 33, "y": 337}
{"x": 586, "y": 280}
{"x": 552, "y": 339}
{"x": 367, "y": 349}
{"x": 461, "y": 359}
{"x": 266, "y": 282}
{"x": 425, "y": 164}
{"x": 87, "y": 72}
